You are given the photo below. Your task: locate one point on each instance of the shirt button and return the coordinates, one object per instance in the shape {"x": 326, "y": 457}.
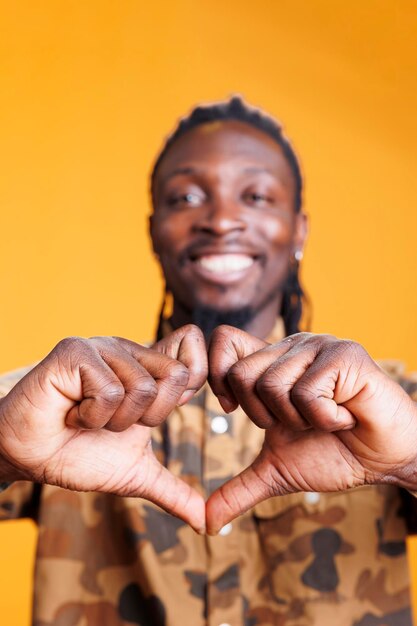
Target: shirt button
{"x": 227, "y": 528}
{"x": 312, "y": 497}
{"x": 219, "y": 425}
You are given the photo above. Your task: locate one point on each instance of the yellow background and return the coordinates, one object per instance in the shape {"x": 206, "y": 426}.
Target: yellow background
{"x": 89, "y": 89}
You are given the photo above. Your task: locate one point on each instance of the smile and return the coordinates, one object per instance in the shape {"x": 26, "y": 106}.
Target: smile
{"x": 225, "y": 263}
{"x": 223, "y": 269}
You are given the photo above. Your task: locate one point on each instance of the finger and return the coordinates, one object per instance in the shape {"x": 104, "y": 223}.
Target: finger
{"x": 102, "y": 394}
{"x": 227, "y": 346}
{"x": 175, "y": 496}
{"x": 250, "y": 376}
{"x": 187, "y": 345}
{"x": 329, "y": 382}
{"x": 171, "y": 378}
{"x": 140, "y": 389}
{"x": 74, "y": 382}
{"x": 239, "y": 494}
{"x": 276, "y": 384}
{"x": 243, "y": 379}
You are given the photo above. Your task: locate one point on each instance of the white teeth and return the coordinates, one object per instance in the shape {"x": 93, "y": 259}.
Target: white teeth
{"x": 223, "y": 263}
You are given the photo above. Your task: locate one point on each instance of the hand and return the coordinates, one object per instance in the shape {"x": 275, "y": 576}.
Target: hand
{"x": 333, "y": 419}
{"x": 82, "y": 418}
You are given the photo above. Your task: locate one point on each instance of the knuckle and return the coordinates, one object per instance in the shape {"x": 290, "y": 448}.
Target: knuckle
{"x": 352, "y": 347}
{"x": 178, "y": 374}
{"x": 70, "y": 344}
{"x": 192, "y": 329}
{"x": 223, "y": 330}
{"x": 112, "y": 393}
{"x": 267, "y": 383}
{"x": 145, "y": 391}
{"x": 222, "y": 334}
{"x": 103, "y": 343}
{"x": 326, "y": 338}
{"x": 305, "y": 338}
{"x": 302, "y": 393}
{"x": 349, "y": 351}
{"x": 317, "y": 340}
{"x": 239, "y": 373}
{"x": 273, "y": 381}
{"x": 100, "y": 341}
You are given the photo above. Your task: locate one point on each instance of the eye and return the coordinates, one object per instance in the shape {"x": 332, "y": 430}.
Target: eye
{"x": 255, "y": 198}
{"x": 186, "y": 199}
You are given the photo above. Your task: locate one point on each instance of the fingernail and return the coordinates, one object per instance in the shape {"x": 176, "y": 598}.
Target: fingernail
{"x": 227, "y": 405}
{"x": 186, "y": 396}
{"x": 201, "y": 530}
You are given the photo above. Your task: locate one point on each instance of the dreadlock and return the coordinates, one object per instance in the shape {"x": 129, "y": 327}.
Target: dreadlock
{"x": 236, "y": 109}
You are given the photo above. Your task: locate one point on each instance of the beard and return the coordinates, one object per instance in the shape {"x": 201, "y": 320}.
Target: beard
{"x": 207, "y": 318}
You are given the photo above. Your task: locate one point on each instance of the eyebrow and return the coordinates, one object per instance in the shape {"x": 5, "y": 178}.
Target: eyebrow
{"x": 257, "y": 170}
{"x": 184, "y": 171}
{"x": 181, "y": 171}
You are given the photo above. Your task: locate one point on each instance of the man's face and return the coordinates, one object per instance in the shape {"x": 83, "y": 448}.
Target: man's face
{"x": 224, "y": 225}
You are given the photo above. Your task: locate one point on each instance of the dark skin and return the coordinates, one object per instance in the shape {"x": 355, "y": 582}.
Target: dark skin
{"x": 225, "y": 230}
{"x": 333, "y": 420}
{"x": 82, "y": 418}
{"x": 226, "y": 189}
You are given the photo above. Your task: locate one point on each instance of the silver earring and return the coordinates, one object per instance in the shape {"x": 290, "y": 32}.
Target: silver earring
{"x": 298, "y": 255}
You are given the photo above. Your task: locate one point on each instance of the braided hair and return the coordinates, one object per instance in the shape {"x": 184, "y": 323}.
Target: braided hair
{"x": 293, "y": 297}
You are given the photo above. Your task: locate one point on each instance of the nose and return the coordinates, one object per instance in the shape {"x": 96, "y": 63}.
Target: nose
{"x": 220, "y": 217}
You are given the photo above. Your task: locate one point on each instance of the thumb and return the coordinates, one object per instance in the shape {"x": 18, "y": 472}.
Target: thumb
{"x": 238, "y": 495}
{"x": 227, "y": 346}
{"x": 174, "y": 496}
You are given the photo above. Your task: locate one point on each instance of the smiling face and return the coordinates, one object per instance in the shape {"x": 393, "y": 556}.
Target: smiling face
{"x": 224, "y": 224}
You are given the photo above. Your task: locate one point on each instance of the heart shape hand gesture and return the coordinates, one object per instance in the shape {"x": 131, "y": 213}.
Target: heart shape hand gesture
{"x": 333, "y": 419}
{"x": 82, "y": 418}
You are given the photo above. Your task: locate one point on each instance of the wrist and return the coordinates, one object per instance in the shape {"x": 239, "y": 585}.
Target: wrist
{"x": 404, "y": 477}
{"x": 8, "y": 471}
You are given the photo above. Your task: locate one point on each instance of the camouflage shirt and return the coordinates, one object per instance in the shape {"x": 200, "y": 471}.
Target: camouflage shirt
{"x": 299, "y": 560}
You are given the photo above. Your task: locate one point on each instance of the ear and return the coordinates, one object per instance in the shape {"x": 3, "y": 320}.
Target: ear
{"x": 301, "y": 231}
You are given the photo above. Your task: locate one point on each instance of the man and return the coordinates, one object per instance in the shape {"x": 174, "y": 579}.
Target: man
{"x": 339, "y": 434}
